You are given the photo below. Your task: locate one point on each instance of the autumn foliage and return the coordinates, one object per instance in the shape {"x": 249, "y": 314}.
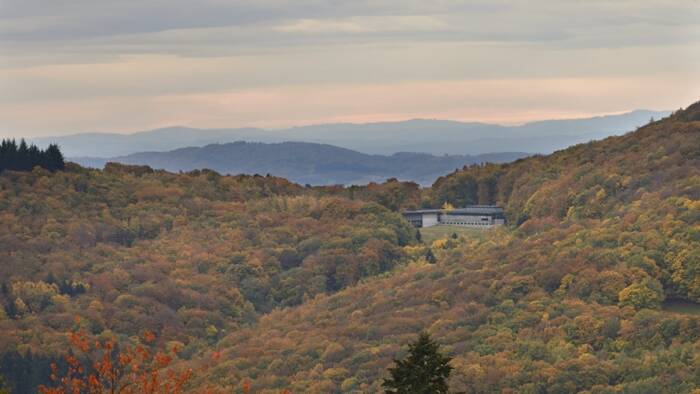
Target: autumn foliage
{"x": 571, "y": 297}
{"x": 264, "y": 285}
{"x": 190, "y": 256}
{"x": 96, "y": 366}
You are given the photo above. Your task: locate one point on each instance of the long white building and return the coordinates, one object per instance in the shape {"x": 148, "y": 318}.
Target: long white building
{"x": 475, "y": 216}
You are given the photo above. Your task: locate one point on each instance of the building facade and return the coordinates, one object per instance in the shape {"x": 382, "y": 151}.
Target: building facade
{"x": 474, "y": 216}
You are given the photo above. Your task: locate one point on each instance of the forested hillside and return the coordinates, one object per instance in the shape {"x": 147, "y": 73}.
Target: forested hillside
{"x": 265, "y": 284}
{"x": 646, "y": 184}
{"x": 568, "y": 301}
{"x": 190, "y": 257}
{"x": 305, "y": 163}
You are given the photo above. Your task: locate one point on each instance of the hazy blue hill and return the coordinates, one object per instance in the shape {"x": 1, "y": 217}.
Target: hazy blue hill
{"x": 419, "y": 135}
{"x": 305, "y": 162}
{"x": 165, "y": 139}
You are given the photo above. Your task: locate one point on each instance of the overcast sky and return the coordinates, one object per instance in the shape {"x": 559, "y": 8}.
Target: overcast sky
{"x": 71, "y": 66}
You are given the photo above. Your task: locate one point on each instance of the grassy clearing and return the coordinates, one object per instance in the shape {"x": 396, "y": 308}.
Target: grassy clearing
{"x": 430, "y": 234}
{"x": 684, "y": 307}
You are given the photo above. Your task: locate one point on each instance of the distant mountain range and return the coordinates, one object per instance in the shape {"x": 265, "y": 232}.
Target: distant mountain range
{"x": 305, "y": 163}
{"x": 427, "y": 136}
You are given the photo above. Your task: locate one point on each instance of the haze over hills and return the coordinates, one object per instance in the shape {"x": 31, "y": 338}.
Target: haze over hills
{"x": 305, "y": 163}
{"x": 425, "y": 136}
{"x": 316, "y": 290}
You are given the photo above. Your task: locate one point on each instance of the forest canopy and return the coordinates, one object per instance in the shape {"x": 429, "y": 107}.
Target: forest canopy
{"x": 568, "y": 298}
{"x": 319, "y": 289}
{"x": 189, "y": 256}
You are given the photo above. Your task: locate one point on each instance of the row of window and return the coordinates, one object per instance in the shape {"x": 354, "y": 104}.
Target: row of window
{"x": 466, "y": 223}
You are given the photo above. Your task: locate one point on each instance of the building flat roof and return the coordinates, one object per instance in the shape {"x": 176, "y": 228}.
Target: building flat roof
{"x": 472, "y": 209}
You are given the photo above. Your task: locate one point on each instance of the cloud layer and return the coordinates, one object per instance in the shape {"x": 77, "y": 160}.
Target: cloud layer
{"x": 128, "y": 65}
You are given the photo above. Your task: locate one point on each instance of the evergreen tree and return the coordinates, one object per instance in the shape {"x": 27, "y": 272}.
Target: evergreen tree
{"x": 430, "y": 257}
{"x": 54, "y": 158}
{"x": 34, "y": 156}
{"x": 10, "y": 309}
{"x": 24, "y": 157}
{"x": 419, "y": 237}
{"x": 23, "y": 373}
{"x": 454, "y": 236}
{"x": 8, "y": 153}
{"x": 22, "y": 160}
{"x": 424, "y": 371}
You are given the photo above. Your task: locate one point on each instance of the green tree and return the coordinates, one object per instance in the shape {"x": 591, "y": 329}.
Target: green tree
{"x": 647, "y": 294}
{"x": 419, "y": 237}
{"x": 424, "y": 371}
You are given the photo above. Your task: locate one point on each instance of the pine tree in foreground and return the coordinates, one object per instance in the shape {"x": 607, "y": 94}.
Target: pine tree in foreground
{"x": 424, "y": 371}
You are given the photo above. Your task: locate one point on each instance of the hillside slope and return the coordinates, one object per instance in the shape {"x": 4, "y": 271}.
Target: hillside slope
{"x": 305, "y": 163}
{"x": 651, "y": 173}
{"x": 317, "y": 289}
{"x": 568, "y": 301}
{"x": 188, "y": 256}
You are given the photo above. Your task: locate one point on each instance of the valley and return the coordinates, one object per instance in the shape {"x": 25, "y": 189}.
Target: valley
{"x": 349, "y": 197}
{"x": 264, "y": 283}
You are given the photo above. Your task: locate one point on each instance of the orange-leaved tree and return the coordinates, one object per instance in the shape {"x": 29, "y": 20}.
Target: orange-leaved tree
{"x": 98, "y": 367}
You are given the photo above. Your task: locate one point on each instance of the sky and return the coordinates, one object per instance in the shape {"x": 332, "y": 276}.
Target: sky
{"x": 69, "y": 66}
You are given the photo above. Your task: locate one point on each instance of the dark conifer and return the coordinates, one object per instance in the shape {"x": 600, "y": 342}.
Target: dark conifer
{"x": 80, "y": 288}
{"x": 423, "y": 371}
{"x": 430, "y": 257}
{"x": 54, "y": 158}
{"x": 8, "y": 154}
{"x": 11, "y": 309}
{"x": 24, "y": 157}
{"x": 34, "y": 157}
{"x": 419, "y": 236}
